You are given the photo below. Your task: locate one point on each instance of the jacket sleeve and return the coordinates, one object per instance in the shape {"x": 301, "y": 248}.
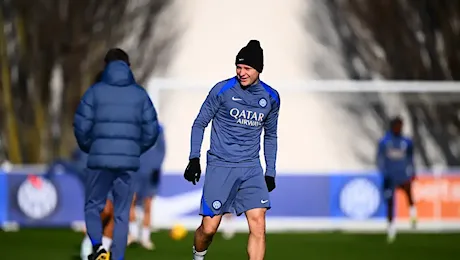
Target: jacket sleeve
{"x": 84, "y": 120}
{"x": 207, "y": 112}
{"x": 150, "y": 126}
{"x": 271, "y": 139}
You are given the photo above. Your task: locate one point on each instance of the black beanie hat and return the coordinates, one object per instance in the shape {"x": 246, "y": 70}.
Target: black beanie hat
{"x": 116, "y": 54}
{"x": 251, "y": 55}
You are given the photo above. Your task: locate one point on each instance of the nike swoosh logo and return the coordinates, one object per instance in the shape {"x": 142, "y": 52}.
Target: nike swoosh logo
{"x": 236, "y": 99}
{"x": 263, "y": 201}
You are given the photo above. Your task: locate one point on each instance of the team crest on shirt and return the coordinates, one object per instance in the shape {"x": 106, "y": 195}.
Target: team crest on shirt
{"x": 263, "y": 102}
{"x": 396, "y": 151}
{"x": 216, "y": 205}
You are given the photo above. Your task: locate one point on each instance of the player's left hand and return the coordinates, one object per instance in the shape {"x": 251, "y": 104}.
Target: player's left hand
{"x": 270, "y": 181}
{"x": 193, "y": 171}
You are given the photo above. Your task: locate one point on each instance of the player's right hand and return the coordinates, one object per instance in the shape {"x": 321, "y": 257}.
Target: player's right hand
{"x": 193, "y": 171}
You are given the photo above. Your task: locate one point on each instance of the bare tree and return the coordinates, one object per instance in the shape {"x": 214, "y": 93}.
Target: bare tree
{"x": 74, "y": 36}
{"x": 406, "y": 40}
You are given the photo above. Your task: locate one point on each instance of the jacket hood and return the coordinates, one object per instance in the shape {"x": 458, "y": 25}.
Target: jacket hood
{"x": 118, "y": 73}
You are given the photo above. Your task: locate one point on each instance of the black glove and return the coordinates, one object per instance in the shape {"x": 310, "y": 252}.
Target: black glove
{"x": 270, "y": 181}
{"x": 193, "y": 171}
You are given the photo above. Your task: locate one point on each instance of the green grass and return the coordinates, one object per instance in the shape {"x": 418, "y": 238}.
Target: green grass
{"x": 55, "y": 244}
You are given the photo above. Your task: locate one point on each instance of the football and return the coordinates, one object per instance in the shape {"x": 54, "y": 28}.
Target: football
{"x": 178, "y": 232}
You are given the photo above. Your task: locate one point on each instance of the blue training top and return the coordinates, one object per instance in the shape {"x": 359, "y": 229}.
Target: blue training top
{"x": 238, "y": 116}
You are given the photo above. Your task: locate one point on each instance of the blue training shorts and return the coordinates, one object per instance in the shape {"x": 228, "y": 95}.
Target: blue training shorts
{"x": 233, "y": 190}
{"x": 147, "y": 185}
{"x": 393, "y": 182}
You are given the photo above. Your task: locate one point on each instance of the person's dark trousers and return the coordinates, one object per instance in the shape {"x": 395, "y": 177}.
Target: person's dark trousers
{"x": 98, "y": 184}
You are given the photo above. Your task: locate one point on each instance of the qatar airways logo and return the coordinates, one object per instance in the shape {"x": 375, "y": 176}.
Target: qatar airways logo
{"x": 247, "y": 117}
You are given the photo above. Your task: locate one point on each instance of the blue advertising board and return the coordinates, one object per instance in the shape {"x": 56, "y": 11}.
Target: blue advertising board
{"x": 3, "y": 197}
{"x": 34, "y": 201}
{"x": 59, "y": 200}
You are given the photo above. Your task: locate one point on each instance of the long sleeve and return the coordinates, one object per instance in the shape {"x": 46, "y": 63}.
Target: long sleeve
{"x": 84, "y": 120}
{"x": 271, "y": 139}
{"x": 380, "y": 158}
{"x": 207, "y": 112}
{"x": 150, "y": 126}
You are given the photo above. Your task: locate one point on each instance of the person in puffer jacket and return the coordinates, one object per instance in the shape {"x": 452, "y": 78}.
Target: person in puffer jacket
{"x": 115, "y": 123}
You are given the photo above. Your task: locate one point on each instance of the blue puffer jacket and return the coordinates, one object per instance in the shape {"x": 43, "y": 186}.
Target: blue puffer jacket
{"x": 115, "y": 121}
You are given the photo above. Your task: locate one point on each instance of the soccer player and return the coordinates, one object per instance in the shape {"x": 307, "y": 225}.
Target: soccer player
{"x": 240, "y": 108}
{"x": 75, "y": 166}
{"x": 395, "y": 161}
{"x": 148, "y": 177}
{"x": 115, "y": 123}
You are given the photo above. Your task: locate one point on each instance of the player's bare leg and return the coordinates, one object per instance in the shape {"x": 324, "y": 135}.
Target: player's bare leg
{"x": 146, "y": 240}
{"x": 256, "y": 242}
{"x": 391, "y": 232}
{"x": 204, "y": 235}
{"x": 109, "y": 223}
{"x": 407, "y": 188}
{"x": 133, "y": 235}
{"x": 228, "y": 227}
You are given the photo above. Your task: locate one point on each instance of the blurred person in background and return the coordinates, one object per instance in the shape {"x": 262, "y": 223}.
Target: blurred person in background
{"x": 115, "y": 123}
{"x": 240, "y": 108}
{"x": 75, "y": 166}
{"x": 148, "y": 179}
{"x": 395, "y": 161}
